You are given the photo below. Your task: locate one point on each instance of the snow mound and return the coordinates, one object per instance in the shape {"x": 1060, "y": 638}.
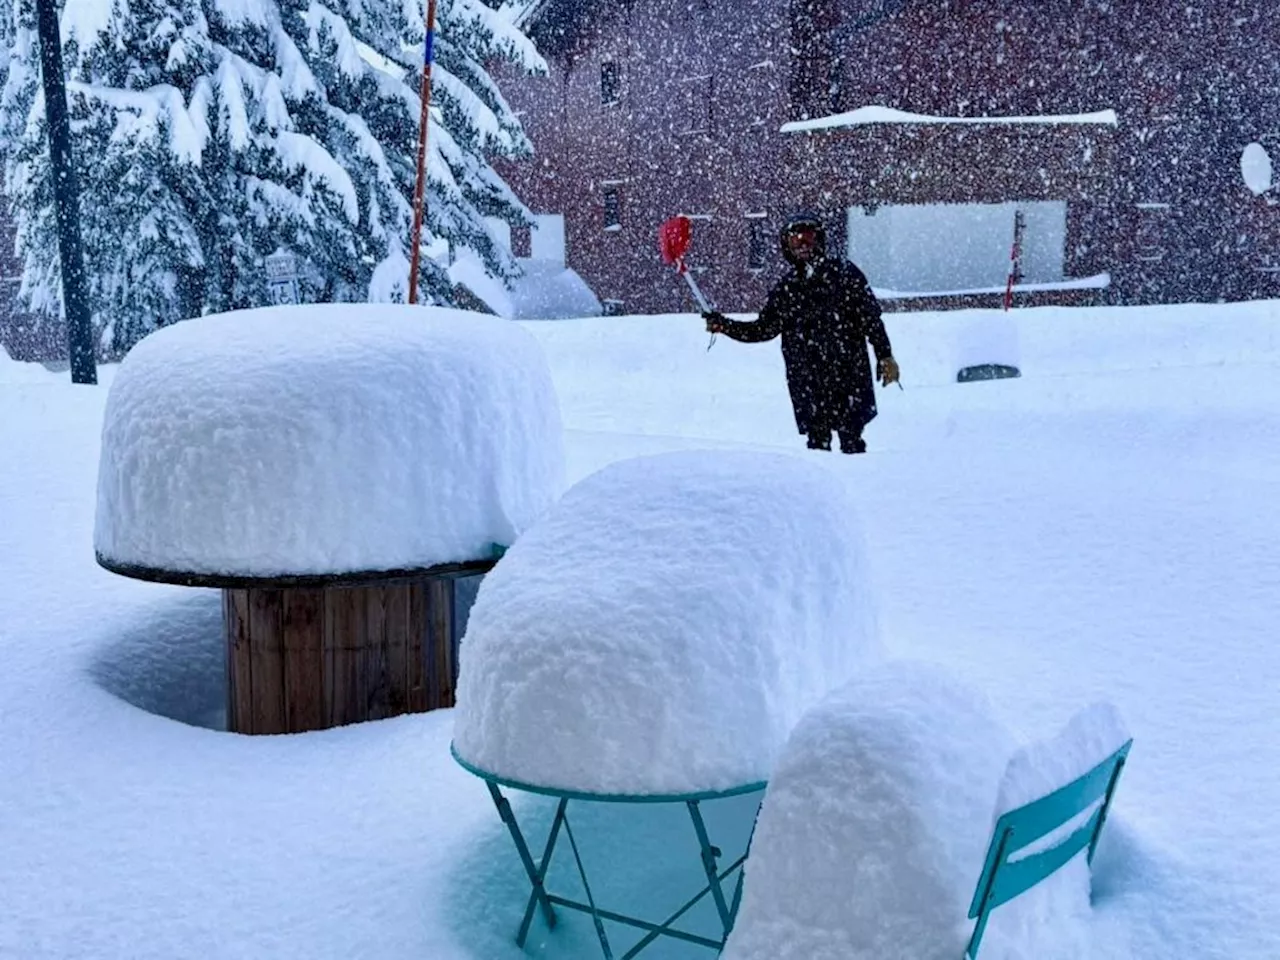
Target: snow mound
{"x": 551, "y": 291}
{"x": 1091, "y": 736}
{"x": 326, "y": 439}
{"x": 986, "y": 337}
{"x": 546, "y": 290}
{"x": 664, "y": 626}
{"x": 875, "y": 823}
{"x": 16, "y": 371}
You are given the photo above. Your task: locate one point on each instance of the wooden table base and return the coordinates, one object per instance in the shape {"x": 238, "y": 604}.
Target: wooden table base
{"x": 316, "y": 657}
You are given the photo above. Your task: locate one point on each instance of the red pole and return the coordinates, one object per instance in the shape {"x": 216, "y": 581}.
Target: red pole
{"x": 1015, "y": 258}
{"x": 420, "y": 189}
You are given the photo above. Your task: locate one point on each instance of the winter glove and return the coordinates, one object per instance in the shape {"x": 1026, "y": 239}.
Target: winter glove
{"x": 715, "y": 321}
{"x": 888, "y": 371}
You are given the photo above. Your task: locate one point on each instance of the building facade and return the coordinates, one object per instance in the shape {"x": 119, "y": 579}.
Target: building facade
{"x": 1109, "y": 133}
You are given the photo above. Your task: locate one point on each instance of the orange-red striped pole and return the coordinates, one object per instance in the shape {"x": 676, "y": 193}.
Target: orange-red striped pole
{"x": 420, "y": 189}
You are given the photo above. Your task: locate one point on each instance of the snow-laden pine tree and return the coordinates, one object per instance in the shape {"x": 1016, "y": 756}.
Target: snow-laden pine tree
{"x": 210, "y": 135}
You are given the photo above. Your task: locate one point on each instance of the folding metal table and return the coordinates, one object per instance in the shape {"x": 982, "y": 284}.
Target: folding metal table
{"x": 726, "y": 903}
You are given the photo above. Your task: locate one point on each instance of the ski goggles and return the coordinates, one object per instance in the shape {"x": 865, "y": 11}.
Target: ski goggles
{"x": 806, "y": 233}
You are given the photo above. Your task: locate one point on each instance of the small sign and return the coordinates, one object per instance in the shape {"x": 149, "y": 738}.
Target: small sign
{"x": 282, "y": 277}
{"x": 1256, "y": 168}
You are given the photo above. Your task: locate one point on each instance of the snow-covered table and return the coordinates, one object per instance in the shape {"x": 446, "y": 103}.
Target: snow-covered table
{"x": 652, "y": 639}
{"x": 333, "y": 469}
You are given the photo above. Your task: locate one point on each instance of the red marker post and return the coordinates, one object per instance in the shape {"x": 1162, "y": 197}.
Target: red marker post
{"x": 420, "y": 189}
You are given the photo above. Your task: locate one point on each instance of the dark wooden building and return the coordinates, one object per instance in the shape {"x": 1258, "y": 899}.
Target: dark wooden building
{"x": 1114, "y": 127}
{"x": 920, "y": 129}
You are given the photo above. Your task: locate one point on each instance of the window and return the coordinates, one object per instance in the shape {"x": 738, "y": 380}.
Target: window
{"x": 1149, "y": 240}
{"x": 757, "y": 93}
{"x": 757, "y": 243}
{"x": 696, "y": 105}
{"x": 914, "y": 247}
{"x": 612, "y": 209}
{"x": 610, "y": 82}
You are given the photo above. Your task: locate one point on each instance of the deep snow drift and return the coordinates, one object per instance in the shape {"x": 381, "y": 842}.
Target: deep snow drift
{"x": 1103, "y": 528}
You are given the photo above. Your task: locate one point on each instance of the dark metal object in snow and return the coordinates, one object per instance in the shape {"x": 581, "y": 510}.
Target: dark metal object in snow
{"x": 987, "y": 371}
{"x": 66, "y": 198}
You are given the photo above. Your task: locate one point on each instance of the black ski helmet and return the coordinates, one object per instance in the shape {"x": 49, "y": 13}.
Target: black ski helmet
{"x": 803, "y": 218}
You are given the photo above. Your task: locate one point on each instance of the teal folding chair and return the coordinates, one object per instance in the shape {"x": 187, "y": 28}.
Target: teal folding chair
{"x": 1006, "y": 875}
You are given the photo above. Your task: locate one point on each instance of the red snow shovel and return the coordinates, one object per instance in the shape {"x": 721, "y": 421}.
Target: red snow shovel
{"x": 674, "y": 238}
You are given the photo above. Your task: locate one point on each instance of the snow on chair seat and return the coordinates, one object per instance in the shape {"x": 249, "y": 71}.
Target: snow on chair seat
{"x": 878, "y": 817}
{"x": 874, "y": 822}
{"x": 1030, "y": 842}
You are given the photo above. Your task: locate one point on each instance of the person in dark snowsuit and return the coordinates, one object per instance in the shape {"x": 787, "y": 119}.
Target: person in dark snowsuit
{"x": 825, "y": 313}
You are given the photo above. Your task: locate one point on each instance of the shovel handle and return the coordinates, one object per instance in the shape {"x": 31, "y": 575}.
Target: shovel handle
{"x": 697, "y": 294}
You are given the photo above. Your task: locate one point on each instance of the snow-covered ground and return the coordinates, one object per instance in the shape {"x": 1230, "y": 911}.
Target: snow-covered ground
{"x": 1102, "y": 528}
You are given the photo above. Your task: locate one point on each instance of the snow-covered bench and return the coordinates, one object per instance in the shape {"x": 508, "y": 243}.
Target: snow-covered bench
{"x": 331, "y": 469}
{"x": 878, "y": 817}
{"x": 653, "y": 639}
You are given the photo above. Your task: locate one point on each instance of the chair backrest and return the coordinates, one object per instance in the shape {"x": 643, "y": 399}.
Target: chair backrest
{"x": 1003, "y": 878}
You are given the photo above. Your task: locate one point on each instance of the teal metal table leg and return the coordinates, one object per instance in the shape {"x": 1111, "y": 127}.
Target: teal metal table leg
{"x": 710, "y": 855}
{"x": 539, "y": 871}
{"x": 537, "y": 874}
{"x": 742, "y": 877}
{"x": 543, "y": 865}
{"x": 665, "y": 929}
{"x": 591, "y": 900}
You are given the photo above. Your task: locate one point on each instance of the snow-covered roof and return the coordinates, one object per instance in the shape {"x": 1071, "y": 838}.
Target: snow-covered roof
{"x": 330, "y": 439}
{"x": 547, "y": 290}
{"x": 1098, "y": 281}
{"x": 874, "y": 114}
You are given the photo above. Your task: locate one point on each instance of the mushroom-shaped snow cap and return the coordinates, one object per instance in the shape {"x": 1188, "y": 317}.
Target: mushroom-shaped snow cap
{"x": 328, "y": 439}
{"x": 664, "y": 625}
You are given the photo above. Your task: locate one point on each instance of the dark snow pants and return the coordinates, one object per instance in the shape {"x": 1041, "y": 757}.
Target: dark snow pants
{"x": 850, "y": 441}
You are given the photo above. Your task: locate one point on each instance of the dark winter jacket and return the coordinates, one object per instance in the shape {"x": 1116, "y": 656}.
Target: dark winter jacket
{"x": 825, "y": 313}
